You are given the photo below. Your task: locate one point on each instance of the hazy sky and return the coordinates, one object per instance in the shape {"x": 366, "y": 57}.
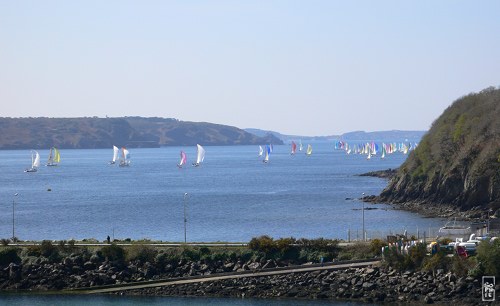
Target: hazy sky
{"x": 297, "y": 67}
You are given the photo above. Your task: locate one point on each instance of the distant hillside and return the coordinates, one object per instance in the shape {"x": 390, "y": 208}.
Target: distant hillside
{"x": 458, "y": 160}
{"x": 33, "y": 133}
{"x": 288, "y": 138}
{"x": 394, "y": 135}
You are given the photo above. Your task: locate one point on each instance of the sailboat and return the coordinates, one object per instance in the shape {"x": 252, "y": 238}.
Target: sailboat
{"x": 200, "y": 156}
{"x": 383, "y": 151}
{"x": 35, "y": 162}
{"x": 125, "y": 158}
{"x": 261, "y": 151}
{"x": 309, "y": 150}
{"x": 54, "y": 157}
{"x": 300, "y": 145}
{"x": 183, "y": 160}
{"x": 115, "y": 155}
{"x": 268, "y": 152}
{"x": 294, "y": 148}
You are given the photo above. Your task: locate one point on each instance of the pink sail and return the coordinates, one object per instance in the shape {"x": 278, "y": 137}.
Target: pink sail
{"x": 183, "y": 159}
{"x": 294, "y": 147}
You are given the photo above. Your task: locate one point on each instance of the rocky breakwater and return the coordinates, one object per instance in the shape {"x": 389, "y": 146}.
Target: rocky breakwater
{"x": 372, "y": 284}
{"x": 89, "y": 269}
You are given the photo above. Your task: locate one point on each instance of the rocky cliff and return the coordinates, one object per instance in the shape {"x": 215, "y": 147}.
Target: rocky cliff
{"x": 89, "y": 133}
{"x": 457, "y": 163}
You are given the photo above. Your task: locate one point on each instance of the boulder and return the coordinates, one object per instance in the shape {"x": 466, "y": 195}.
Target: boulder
{"x": 368, "y": 286}
{"x": 254, "y": 266}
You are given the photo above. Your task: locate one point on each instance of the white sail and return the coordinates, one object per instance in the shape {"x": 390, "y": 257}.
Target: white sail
{"x": 125, "y": 158}
{"x": 300, "y": 145}
{"x": 261, "y": 151}
{"x": 36, "y": 161}
{"x": 200, "y": 156}
{"x": 116, "y": 151}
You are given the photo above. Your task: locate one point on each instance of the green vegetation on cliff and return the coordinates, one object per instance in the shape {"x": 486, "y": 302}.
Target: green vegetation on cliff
{"x": 458, "y": 160}
{"x": 89, "y": 133}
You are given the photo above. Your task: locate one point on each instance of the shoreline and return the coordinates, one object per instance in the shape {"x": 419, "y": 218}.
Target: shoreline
{"x": 375, "y": 284}
{"x": 424, "y": 208}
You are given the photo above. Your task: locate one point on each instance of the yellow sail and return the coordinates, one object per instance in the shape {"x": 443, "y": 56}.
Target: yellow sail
{"x": 309, "y": 150}
{"x": 57, "y": 156}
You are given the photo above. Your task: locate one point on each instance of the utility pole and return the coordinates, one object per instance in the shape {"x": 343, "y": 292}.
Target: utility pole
{"x": 185, "y": 219}
{"x": 13, "y": 219}
{"x": 363, "y": 210}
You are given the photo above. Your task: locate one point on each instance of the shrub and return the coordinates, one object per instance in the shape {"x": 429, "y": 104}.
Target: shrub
{"x": 190, "y": 253}
{"x": 287, "y": 248}
{"x": 376, "y": 246}
{"x": 358, "y": 250}
{"x": 394, "y": 259}
{"x": 463, "y": 266}
{"x": 113, "y": 252}
{"x": 8, "y": 256}
{"x": 47, "y": 249}
{"x": 488, "y": 256}
{"x": 143, "y": 253}
{"x": 264, "y": 244}
{"x": 413, "y": 260}
{"x": 33, "y": 250}
{"x": 319, "y": 244}
{"x": 436, "y": 261}
{"x": 161, "y": 260}
{"x": 62, "y": 245}
{"x": 5, "y": 242}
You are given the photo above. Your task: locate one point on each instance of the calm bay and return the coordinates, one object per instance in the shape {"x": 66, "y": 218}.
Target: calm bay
{"x": 233, "y": 196}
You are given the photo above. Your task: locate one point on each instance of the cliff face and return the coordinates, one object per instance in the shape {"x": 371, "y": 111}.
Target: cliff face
{"x": 458, "y": 160}
{"x": 88, "y": 133}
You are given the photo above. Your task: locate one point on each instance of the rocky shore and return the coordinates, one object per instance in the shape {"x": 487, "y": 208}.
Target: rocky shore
{"x": 432, "y": 210}
{"x": 89, "y": 270}
{"x": 426, "y": 208}
{"x": 373, "y": 284}
{"x": 386, "y": 174}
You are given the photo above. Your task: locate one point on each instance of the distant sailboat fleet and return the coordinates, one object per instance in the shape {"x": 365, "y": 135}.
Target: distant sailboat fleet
{"x": 371, "y": 148}
{"x": 122, "y": 156}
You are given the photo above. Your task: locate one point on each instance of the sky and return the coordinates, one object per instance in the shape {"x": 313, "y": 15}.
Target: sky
{"x": 297, "y": 67}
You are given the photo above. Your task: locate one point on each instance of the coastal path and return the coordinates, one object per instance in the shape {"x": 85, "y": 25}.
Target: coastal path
{"x": 230, "y": 275}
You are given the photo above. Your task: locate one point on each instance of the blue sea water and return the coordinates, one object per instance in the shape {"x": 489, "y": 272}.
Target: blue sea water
{"x": 110, "y": 300}
{"x": 233, "y": 196}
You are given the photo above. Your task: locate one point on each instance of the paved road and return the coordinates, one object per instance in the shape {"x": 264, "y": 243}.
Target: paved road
{"x": 296, "y": 269}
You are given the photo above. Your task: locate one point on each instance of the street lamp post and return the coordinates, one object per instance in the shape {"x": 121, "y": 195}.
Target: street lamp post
{"x": 488, "y": 228}
{"x": 185, "y": 219}
{"x": 13, "y": 219}
{"x": 363, "y": 211}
